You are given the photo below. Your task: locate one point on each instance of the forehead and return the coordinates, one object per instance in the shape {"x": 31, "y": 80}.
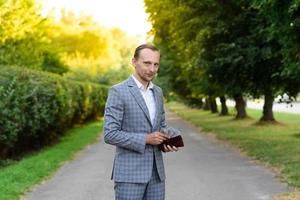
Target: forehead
{"x": 148, "y": 54}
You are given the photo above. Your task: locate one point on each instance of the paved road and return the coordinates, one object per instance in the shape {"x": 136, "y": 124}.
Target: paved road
{"x": 278, "y": 107}
{"x": 293, "y": 107}
{"x": 203, "y": 170}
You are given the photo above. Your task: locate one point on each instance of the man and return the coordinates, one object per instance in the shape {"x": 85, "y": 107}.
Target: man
{"x": 135, "y": 123}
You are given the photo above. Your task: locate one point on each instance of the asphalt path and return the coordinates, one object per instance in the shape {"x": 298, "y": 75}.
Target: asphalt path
{"x": 293, "y": 107}
{"x": 204, "y": 169}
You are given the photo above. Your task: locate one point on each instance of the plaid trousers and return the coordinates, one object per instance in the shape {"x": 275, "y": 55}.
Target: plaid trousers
{"x": 153, "y": 190}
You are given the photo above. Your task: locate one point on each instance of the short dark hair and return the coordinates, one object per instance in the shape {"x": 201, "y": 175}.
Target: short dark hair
{"x": 144, "y": 46}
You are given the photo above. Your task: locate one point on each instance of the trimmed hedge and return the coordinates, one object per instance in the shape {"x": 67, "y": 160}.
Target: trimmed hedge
{"x": 37, "y": 107}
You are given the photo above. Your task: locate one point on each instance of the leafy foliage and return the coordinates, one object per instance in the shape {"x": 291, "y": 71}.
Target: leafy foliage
{"x": 23, "y": 40}
{"x": 74, "y": 44}
{"x": 36, "y": 107}
{"x": 89, "y": 49}
{"x": 235, "y": 48}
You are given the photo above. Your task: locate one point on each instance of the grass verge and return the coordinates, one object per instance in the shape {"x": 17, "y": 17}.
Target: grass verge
{"x": 290, "y": 196}
{"x": 19, "y": 177}
{"x": 277, "y": 145}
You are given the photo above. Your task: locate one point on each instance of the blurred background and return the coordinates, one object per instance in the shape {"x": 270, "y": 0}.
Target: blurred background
{"x": 58, "y": 59}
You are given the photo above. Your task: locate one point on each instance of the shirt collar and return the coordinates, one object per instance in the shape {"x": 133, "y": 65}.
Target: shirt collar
{"x": 140, "y": 85}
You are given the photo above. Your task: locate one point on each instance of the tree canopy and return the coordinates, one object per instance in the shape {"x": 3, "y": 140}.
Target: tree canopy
{"x": 73, "y": 45}
{"x": 233, "y": 48}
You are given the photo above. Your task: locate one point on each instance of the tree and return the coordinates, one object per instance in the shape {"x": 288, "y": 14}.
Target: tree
{"x": 22, "y": 37}
{"x": 183, "y": 28}
{"x": 233, "y": 48}
{"x": 283, "y": 26}
{"x": 90, "y": 50}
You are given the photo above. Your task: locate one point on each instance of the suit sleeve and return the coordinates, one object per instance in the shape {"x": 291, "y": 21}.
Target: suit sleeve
{"x": 113, "y": 118}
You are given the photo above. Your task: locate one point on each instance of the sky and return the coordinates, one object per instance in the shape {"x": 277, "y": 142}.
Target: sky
{"x": 128, "y": 15}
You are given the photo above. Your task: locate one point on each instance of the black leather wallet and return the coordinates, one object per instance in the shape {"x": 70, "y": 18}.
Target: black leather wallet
{"x": 174, "y": 141}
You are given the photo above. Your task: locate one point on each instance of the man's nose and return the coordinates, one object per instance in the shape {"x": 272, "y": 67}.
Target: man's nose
{"x": 152, "y": 67}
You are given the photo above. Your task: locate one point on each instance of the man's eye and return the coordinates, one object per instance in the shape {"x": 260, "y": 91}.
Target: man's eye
{"x": 147, "y": 63}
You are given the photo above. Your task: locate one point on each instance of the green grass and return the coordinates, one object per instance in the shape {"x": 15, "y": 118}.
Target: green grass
{"x": 18, "y": 177}
{"x": 276, "y": 145}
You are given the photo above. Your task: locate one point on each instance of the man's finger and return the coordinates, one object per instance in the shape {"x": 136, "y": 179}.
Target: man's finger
{"x": 162, "y": 137}
{"x": 169, "y": 148}
{"x": 166, "y": 149}
{"x": 173, "y": 148}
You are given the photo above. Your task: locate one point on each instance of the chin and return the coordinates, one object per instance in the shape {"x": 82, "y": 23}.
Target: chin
{"x": 148, "y": 79}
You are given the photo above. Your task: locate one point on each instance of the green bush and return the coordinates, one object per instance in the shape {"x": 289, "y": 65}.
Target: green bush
{"x": 36, "y": 107}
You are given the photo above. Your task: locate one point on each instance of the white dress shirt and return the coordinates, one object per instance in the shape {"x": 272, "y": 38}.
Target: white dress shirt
{"x": 148, "y": 96}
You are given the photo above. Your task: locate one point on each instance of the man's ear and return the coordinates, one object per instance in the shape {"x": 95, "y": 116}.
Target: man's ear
{"x": 133, "y": 61}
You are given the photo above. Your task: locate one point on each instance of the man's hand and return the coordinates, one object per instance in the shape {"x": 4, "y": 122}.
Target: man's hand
{"x": 156, "y": 138}
{"x": 169, "y": 148}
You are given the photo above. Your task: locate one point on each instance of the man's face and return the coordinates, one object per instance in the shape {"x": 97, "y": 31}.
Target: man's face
{"x": 146, "y": 66}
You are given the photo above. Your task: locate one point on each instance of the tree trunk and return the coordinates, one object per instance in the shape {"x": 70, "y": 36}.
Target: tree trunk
{"x": 213, "y": 105}
{"x": 224, "y": 109}
{"x": 240, "y": 106}
{"x": 268, "y": 107}
{"x": 207, "y": 104}
{"x": 195, "y": 102}
{"x": 199, "y": 103}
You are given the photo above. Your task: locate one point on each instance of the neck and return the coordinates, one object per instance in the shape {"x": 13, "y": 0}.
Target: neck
{"x": 143, "y": 82}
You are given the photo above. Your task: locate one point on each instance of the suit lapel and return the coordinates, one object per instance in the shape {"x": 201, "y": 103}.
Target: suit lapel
{"x": 134, "y": 90}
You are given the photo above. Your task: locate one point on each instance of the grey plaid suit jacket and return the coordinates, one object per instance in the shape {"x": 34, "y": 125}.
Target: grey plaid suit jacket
{"x": 126, "y": 124}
